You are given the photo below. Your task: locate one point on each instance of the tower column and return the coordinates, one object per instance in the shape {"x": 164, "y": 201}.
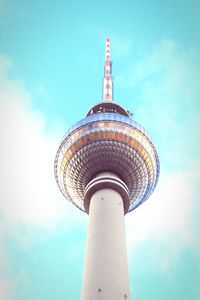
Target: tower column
{"x": 106, "y": 269}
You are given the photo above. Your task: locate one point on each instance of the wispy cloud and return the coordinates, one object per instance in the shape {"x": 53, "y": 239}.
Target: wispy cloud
{"x": 169, "y": 211}
{"x": 2, "y": 5}
{"x": 28, "y": 190}
{"x": 167, "y": 224}
{"x": 167, "y": 83}
{"x": 6, "y": 289}
{"x": 168, "y": 77}
{"x": 31, "y": 205}
{"x": 121, "y": 47}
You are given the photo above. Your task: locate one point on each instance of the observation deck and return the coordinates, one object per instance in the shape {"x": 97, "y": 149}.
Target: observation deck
{"x": 107, "y": 140}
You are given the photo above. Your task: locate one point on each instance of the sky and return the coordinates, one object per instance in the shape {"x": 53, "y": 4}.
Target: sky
{"x": 51, "y": 69}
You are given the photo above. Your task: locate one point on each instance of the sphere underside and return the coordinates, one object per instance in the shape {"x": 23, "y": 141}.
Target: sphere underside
{"x": 106, "y": 142}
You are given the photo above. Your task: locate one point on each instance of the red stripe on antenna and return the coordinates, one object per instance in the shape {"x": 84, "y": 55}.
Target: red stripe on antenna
{"x": 107, "y": 80}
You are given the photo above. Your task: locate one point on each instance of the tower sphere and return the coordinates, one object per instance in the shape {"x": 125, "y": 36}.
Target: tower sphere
{"x": 107, "y": 140}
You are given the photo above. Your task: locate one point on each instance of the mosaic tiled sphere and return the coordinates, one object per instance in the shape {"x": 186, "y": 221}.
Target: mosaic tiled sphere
{"x": 107, "y": 140}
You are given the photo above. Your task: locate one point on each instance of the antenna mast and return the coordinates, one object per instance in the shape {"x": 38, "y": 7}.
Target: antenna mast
{"x": 107, "y": 79}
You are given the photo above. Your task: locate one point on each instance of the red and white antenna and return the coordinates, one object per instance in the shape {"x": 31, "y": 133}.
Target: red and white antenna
{"x": 107, "y": 79}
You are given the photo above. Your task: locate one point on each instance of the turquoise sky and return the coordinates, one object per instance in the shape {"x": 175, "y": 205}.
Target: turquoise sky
{"x": 51, "y": 68}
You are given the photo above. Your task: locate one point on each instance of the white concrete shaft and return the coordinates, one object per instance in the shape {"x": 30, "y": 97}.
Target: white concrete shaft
{"x": 106, "y": 269}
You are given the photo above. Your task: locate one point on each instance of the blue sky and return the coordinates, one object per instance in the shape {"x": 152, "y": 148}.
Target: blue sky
{"x": 51, "y": 67}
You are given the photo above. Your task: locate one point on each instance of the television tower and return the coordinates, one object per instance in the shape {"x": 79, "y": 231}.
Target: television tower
{"x": 107, "y": 166}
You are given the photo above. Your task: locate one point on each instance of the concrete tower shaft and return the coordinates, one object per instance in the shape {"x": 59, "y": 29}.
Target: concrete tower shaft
{"x": 106, "y": 268}
{"x": 106, "y": 180}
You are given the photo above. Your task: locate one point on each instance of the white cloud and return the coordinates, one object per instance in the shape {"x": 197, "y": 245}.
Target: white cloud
{"x": 169, "y": 78}
{"x": 169, "y": 210}
{"x": 168, "y": 220}
{"x": 31, "y": 204}
{"x": 29, "y": 193}
{"x": 6, "y": 289}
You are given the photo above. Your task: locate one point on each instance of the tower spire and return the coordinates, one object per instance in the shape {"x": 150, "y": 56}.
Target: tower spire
{"x": 107, "y": 79}
{"x": 106, "y": 156}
